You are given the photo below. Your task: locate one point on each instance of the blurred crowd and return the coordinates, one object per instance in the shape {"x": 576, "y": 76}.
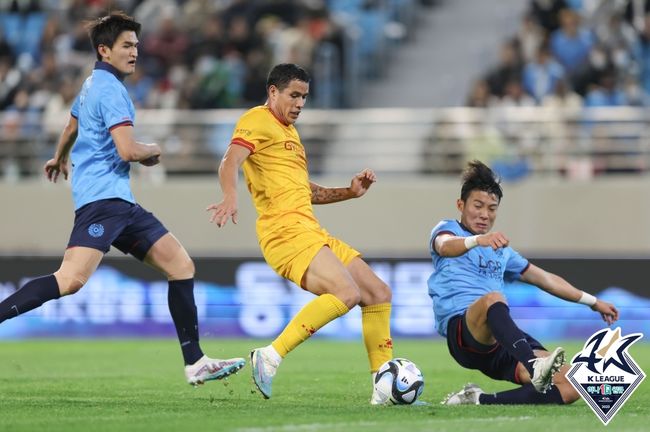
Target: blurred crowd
{"x": 193, "y": 54}
{"x": 573, "y": 53}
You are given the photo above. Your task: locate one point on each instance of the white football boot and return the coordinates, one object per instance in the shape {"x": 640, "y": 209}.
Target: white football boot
{"x": 206, "y": 369}
{"x": 544, "y": 368}
{"x": 264, "y": 367}
{"x": 469, "y": 395}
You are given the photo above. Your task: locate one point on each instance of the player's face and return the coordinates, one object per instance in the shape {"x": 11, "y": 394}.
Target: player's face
{"x": 479, "y": 212}
{"x": 124, "y": 53}
{"x": 288, "y": 103}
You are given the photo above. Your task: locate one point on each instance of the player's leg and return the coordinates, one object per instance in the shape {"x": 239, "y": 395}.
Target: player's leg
{"x": 78, "y": 264}
{"x": 375, "y": 313}
{"x": 561, "y": 384}
{"x": 95, "y": 226}
{"x": 375, "y": 317}
{"x": 499, "y": 364}
{"x": 562, "y": 393}
{"x": 488, "y": 320}
{"x": 337, "y": 292}
{"x": 169, "y": 257}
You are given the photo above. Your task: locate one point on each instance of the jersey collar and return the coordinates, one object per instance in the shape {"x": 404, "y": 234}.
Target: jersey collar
{"x": 109, "y": 68}
{"x": 465, "y": 228}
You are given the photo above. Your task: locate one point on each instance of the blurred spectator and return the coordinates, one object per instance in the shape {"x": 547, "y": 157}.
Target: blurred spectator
{"x": 571, "y": 43}
{"x": 209, "y": 41}
{"x": 546, "y": 13}
{"x": 167, "y": 46}
{"x": 27, "y": 123}
{"x": 606, "y": 92}
{"x": 140, "y": 86}
{"x": 190, "y": 51}
{"x": 509, "y": 67}
{"x": 58, "y": 104}
{"x": 620, "y": 40}
{"x": 514, "y": 95}
{"x": 541, "y": 76}
{"x": 531, "y": 36}
{"x": 562, "y": 98}
{"x": 635, "y": 12}
{"x": 644, "y": 58}
{"x": 479, "y": 96}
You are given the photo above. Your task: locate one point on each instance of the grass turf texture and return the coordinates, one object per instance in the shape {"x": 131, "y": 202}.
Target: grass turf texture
{"x": 138, "y": 385}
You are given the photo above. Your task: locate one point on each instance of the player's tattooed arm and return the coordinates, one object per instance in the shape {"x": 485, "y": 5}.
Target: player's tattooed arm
{"x": 359, "y": 185}
{"x": 325, "y": 195}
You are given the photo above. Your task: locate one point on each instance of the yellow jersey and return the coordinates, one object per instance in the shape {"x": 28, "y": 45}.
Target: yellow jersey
{"x": 275, "y": 171}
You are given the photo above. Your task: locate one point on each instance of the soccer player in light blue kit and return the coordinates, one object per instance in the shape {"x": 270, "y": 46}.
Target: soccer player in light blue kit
{"x": 100, "y": 134}
{"x": 471, "y": 265}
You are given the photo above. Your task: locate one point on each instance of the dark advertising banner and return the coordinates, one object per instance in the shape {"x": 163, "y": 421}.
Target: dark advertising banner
{"x": 245, "y": 298}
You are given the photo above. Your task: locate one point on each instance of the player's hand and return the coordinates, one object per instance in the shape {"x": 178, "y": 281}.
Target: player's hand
{"x": 54, "y": 167}
{"x": 150, "y": 161}
{"x": 361, "y": 182}
{"x": 224, "y": 210}
{"x": 495, "y": 240}
{"x": 607, "y": 311}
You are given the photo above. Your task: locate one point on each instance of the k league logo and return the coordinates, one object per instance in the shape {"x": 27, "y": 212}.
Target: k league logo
{"x": 604, "y": 373}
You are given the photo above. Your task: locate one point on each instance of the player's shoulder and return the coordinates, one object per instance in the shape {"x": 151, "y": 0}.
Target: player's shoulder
{"x": 105, "y": 86}
{"x": 450, "y": 225}
{"x": 258, "y": 113}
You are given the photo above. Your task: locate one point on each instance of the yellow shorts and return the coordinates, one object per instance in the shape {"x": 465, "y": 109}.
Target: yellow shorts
{"x": 290, "y": 249}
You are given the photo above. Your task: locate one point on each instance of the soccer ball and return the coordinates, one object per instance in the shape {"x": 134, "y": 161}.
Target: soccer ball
{"x": 399, "y": 381}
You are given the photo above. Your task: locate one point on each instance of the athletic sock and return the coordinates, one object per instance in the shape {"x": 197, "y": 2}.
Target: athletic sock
{"x": 506, "y": 332}
{"x": 375, "y": 321}
{"x": 182, "y": 308}
{"x": 524, "y": 395}
{"x": 307, "y": 321}
{"x": 33, "y": 294}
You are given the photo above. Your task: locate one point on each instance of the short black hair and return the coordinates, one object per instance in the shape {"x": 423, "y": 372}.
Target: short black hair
{"x": 106, "y": 30}
{"x": 478, "y": 176}
{"x": 281, "y": 75}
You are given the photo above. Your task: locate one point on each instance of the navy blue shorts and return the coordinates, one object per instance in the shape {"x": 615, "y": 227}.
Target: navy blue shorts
{"x": 493, "y": 360}
{"x": 127, "y": 226}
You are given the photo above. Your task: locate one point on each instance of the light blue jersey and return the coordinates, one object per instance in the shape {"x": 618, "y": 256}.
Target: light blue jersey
{"x": 458, "y": 282}
{"x": 98, "y": 172}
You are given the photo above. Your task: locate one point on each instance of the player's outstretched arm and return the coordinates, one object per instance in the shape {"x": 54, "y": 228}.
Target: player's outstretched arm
{"x": 228, "y": 174}
{"x": 359, "y": 185}
{"x": 449, "y": 245}
{"x": 59, "y": 163}
{"x": 559, "y": 287}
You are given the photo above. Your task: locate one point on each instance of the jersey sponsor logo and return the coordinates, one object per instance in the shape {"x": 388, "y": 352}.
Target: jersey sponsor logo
{"x": 489, "y": 268}
{"x": 96, "y": 230}
{"x": 604, "y": 373}
{"x": 288, "y": 145}
{"x": 245, "y": 132}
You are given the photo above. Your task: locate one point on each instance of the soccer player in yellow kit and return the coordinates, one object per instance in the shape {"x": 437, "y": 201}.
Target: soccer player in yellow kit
{"x": 267, "y": 144}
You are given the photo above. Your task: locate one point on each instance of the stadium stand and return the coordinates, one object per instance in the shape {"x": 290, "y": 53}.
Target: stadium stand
{"x": 202, "y": 62}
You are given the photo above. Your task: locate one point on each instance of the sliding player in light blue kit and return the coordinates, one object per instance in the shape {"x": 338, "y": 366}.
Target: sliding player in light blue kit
{"x": 471, "y": 265}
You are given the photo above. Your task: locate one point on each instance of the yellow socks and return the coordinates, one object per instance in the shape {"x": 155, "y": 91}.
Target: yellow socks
{"x": 376, "y": 334}
{"x": 308, "y": 320}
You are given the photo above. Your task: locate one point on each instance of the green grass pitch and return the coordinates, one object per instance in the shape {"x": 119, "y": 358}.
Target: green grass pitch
{"x": 138, "y": 385}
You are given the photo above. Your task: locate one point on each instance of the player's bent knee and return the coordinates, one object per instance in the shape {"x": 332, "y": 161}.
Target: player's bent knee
{"x": 187, "y": 269}
{"x": 69, "y": 283}
{"x": 182, "y": 269}
{"x": 493, "y": 297}
{"x": 381, "y": 293}
{"x": 350, "y": 297}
